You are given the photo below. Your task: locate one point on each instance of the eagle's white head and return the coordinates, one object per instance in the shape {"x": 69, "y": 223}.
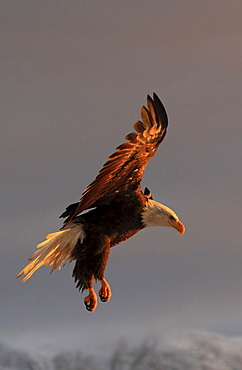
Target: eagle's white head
{"x": 156, "y": 214}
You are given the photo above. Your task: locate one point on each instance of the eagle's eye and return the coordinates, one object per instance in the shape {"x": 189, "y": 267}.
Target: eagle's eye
{"x": 171, "y": 218}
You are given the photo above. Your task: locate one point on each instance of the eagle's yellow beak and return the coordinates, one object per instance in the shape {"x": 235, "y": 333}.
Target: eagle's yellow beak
{"x": 178, "y": 225}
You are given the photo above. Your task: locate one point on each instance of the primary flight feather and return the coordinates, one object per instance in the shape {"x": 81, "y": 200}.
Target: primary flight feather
{"x": 118, "y": 209}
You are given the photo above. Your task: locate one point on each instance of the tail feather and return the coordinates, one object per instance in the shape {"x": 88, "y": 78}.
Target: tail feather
{"x": 56, "y": 250}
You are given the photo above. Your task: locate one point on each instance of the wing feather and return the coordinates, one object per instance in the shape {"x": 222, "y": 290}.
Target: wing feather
{"x": 124, "y": 169}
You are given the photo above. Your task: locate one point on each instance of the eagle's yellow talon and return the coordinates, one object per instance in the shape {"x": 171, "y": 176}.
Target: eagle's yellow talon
{"x": 105, "y": 292}
{"x": 90, "y": 301}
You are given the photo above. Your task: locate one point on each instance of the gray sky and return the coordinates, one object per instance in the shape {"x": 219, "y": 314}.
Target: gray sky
{"x": 74, "y": 76}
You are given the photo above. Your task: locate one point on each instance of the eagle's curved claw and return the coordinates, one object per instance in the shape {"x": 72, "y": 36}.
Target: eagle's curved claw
{"x": 90, "y": 301}
{"x": 105, "y": 292}
{"x": 90, "y": 307}
{"x": 102, "y": 298}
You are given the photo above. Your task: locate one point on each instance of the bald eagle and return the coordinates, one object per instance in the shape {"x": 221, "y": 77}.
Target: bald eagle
{"x": 115, "y": 209}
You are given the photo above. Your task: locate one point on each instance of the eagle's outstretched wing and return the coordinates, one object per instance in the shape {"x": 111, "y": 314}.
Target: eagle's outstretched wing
{"x": 124, "y": 169}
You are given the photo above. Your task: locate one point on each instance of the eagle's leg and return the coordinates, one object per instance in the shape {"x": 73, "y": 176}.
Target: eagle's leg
{"x": 105, "y": 292}
{"x": 90, "y": 300}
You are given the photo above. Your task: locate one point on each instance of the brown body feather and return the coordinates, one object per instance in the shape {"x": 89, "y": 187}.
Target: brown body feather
{"x": 105, "y": 227}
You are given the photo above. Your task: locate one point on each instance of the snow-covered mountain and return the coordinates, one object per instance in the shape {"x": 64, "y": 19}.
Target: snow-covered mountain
{"x": 194, "y": 351}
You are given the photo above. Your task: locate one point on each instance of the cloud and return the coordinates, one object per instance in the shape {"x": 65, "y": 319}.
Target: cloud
{"x": 186, "y": 351}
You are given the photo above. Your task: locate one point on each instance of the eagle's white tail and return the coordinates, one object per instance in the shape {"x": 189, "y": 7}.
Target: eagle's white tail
{"x": 56, "y": 250}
